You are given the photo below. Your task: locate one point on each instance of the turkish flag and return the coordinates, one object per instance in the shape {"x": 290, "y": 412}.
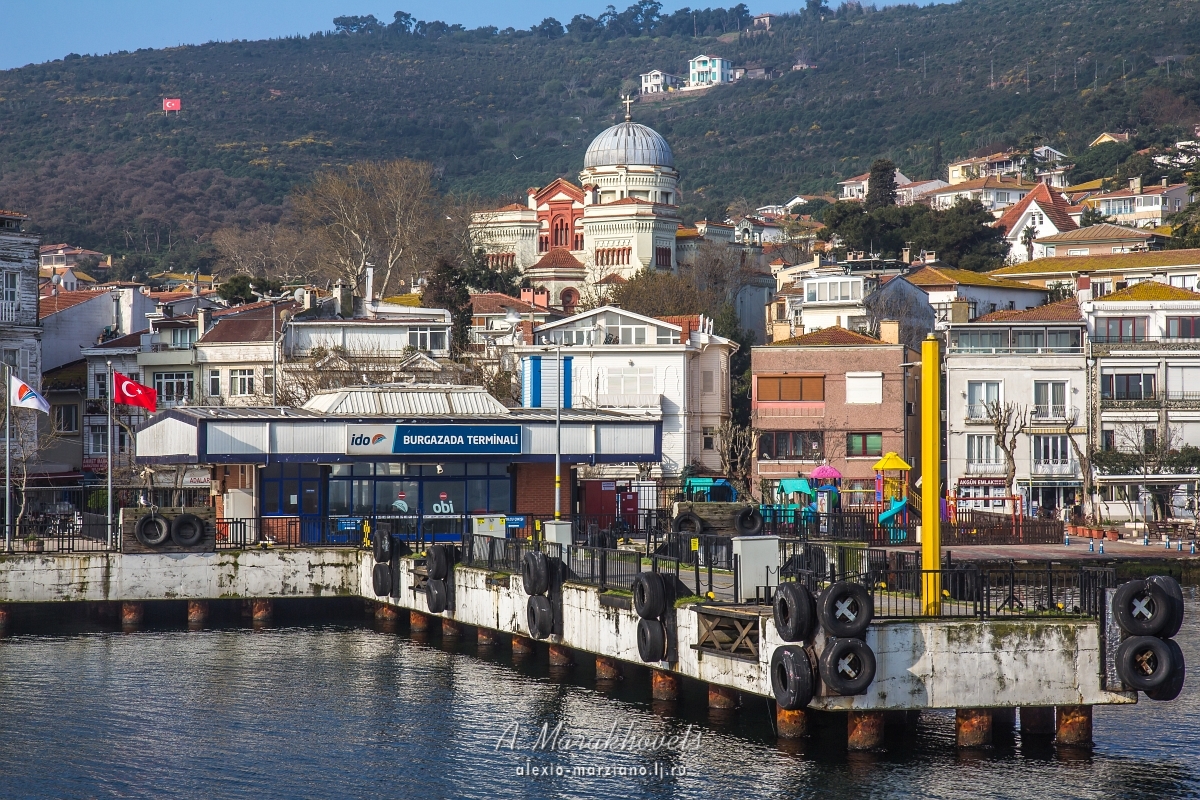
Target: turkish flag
{"x": 171, "y": 104}
{"x": 132, "y": 393}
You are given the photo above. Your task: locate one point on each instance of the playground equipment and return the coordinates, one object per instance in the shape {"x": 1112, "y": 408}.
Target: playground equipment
{"x": 891, "y": 496}
{"x": 709, "y": 490}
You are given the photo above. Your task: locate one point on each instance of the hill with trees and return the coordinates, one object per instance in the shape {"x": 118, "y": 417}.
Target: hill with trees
{"x": 86, "y": 150}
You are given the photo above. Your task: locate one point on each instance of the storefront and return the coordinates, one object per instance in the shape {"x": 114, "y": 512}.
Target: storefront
{"x": 463, "y": 453}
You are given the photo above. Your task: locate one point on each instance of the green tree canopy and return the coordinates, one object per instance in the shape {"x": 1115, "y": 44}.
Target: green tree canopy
{"x": 881, "y": 185}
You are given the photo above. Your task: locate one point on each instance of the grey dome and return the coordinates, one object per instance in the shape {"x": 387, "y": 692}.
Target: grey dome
{"x": 629, "y": 143}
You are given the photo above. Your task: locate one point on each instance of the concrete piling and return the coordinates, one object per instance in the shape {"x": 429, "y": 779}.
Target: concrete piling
{"x": 1004, "y": 721}
{"x": 791, "y": 724}
{"x": 132, "y": 614}
{"x": 607, "y": 669}
{"x": 864, "y": 730}
{"x": 417, "y": 622}
{"x": 5, "y": 620}
{"x": 486, "y": 637}
{"x": 1037, "y": 720}
{"x": 973, "y": 727}
{"x": 560, "y": 656}
{"x": 522, "y": 645}
{"x": 664, "y": 685}
{"x": 386, "y": 613}
{"x": 1074, "y": 726}
{"x": 722, "y": 697}
{"x": 262, "y": 610}
{"x": 451, "y": 629}
{"x": 197, "y": 613}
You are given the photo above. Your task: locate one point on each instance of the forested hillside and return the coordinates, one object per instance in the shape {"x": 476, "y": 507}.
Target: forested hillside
{"x": 86, "y": 150}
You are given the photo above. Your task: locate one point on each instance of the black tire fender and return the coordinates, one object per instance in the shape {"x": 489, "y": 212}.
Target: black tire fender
{"x": 792, "y": 680}
{"x": 187, "y": 530}
{"x": 381, "y": 547}
{"x": 1146, "y": 663}
{"x": 437, "y": 562}
{"x": 437, "y": 596}
{"x": 651, "y": 640}
{"x": 1173, "y": 590}
{"x": 1144, "y": 608}
{"x": 846, "y": 609}
{"x": 795, "y": 612}
{"x": 687, "y": 521}
{"x": 152, "y": 530}
{"x": 649, "y": 595}
{"x": 749, "y": 521}
{"x": 381, "y": 580}
{"x": 535, "y": 572}
{"x": 847, "y": 666}
{"x": 539, "y": 616}
{"x": 1171, "y": 689}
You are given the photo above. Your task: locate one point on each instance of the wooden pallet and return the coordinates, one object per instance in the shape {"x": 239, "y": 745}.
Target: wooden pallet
{"x": 729, "y": 632}
{"x": 131, "y": 546}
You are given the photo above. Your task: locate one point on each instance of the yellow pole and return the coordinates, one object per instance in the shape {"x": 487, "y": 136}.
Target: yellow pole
{"x": 931, "y": 517}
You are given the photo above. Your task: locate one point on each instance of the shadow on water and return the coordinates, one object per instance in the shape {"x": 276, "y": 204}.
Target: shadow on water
{"x": 327, "y": 701}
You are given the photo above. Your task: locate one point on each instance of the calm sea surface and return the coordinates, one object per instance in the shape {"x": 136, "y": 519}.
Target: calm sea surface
{"x": 340, "y": 708}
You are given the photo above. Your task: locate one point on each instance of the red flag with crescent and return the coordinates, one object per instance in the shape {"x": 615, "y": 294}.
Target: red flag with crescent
{"x": 171, "y": 104}
{"x": 131, "y": 393}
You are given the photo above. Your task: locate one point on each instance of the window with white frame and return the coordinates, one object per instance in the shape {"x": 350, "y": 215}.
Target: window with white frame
{"x": 1054, "y": 449}
{"x": 864, "y": 388}
{"x": 182, "y": 338}
{"x": 66, "y": 418}
{"x": 631, "y": 380}
{"x": 12, "y": 285}
{"x": 1049, "y": 399}
{"x": 214, "y": 383}
{"x": 427, "y": 339}
{"x": 241, "y": 382}
{"x": 174, "y": 387}
{"x": 268, "y": 380}
{"x": 979, "y": 394}
{"x": 981, "y": 449}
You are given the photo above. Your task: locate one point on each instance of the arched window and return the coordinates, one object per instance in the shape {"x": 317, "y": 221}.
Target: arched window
{"x": 569, "y": 299}
{"x": 560, "y": 233}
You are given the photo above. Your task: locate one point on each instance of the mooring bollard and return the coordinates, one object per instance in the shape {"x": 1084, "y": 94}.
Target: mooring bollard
{"x": 864, "y": 730}
{"x": 1101, "y": 548}
{"x": 1091, "y": 545}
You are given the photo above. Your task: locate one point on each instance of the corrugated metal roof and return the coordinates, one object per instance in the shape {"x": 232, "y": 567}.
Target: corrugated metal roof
{"x": 396, "y": 401}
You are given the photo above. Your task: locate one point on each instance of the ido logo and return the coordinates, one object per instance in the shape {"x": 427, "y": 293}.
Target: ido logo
{"x": 446, "y": 506}
{"x": 366, "y": 440}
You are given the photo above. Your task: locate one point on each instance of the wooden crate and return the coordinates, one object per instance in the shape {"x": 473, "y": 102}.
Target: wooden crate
{"x": 728, "y": 631}
{"x": 131, "y": 545}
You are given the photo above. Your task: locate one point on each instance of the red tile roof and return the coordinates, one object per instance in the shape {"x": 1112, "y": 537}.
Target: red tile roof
{"x": 689, "y": 323}
{"x": 1052, "y": 204}
{"x": 1062, "y": 311}
{"x": 611, "y": 278}
{"x": 989, "y": 182}
{"x": 558, "y": 257}
{"x": 52, "y": 304}
{"x": 497, "y": 303}
{"x": 830, "y": 337}
{"x": 246, "y": 324}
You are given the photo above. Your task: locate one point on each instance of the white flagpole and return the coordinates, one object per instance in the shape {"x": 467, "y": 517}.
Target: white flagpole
{"x": 8, "y": 458}
{"x": 111, "y": 400}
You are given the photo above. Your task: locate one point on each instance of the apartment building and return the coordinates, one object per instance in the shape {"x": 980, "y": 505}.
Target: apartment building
{"x": 1142, "y": 206}
{"x": 706, "y": 70}
{"x": 1106, "y": 272}
{"x": 994, "y": 193}
{"x": 976, "y": 294}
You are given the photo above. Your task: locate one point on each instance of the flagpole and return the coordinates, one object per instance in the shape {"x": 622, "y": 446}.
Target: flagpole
{"x": 7, "y": 458}
{"x": 111, "y": 399}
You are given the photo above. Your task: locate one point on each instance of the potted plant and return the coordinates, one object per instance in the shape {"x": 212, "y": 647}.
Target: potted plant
{"x": 1113, "y": 534}
{"x": 34, "y": 544}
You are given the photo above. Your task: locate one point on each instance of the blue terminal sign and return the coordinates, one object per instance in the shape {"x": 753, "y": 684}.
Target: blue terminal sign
{"x": 445, "y": 440}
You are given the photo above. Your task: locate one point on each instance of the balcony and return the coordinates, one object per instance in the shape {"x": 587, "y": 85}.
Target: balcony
{"x": 800, "y": 409}
{"x": 1130, "y": 400}
{"x": 977, "y": 413}
{"x": 629, "y": 401}
{"x": 1056, "y": 466}
{"x": 1054, "y": 413}
{"x": 9, "y": 312}
{"x": 985, "y": 467}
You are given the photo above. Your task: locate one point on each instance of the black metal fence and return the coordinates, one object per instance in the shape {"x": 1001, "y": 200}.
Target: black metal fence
{"x": 502, "y": 555}
{"x": 62, "y": 533}
{"x": 613, "y": 569}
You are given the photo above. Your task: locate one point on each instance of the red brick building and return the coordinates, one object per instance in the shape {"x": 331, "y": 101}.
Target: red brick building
{"x": 837, "y": 397}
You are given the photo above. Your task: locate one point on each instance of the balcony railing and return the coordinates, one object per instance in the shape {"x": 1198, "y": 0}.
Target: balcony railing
{"x": 1056, "y": 466}
{"x": 977, "y": 412}
{"x": 9, "y": 312}
{"x": 985, "y": 467}
{"x": 629, "y": 401}
{"x": 1003, "y": 351}
{"x": 1052, "y": 412}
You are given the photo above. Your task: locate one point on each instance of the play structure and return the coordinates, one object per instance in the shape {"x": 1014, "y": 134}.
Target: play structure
{"x": 891, "y": 496}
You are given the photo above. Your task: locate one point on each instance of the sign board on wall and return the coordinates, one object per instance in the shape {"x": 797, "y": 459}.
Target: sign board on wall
{"x": 465, "y": 440}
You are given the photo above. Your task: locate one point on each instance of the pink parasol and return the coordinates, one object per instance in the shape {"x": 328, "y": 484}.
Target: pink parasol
{"x": 825, "y": 472}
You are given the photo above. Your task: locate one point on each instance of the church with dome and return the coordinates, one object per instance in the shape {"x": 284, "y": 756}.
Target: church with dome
{"x": 622, "y": 217}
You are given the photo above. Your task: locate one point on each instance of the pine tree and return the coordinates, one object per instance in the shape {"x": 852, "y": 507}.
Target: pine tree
{"x": 881, "y": 186}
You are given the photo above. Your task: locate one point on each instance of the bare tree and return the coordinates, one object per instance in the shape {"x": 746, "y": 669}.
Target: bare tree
{"x": 721, "y": 269}
{"x": 274, "y": 251}
{"x": 735, "y": 446}
{"x": 1083, "y": 455}
{"x": 1145, "y": 451}
{"x": 1008, "y": 420}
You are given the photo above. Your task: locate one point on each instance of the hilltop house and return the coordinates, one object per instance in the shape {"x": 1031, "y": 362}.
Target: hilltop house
{"x": 1043, "y": 212}
{"x": 995, "y": 193}
{"x": 706, "y": 70}
{"x": 656, "y": 82}
{"x": 856, "y": 188}
{"x": 1050, "y": 166}
{"x": 1142, "y": 206}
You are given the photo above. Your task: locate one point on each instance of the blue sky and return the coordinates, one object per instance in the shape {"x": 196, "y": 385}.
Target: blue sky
{"x": 43, "y": 30}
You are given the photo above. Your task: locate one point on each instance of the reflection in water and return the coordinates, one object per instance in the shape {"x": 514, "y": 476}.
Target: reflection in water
{"x": 359, "y": 711}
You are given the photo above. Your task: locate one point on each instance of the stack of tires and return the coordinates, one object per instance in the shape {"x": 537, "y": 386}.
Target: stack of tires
{"x": 153, "y": 530}
{"x": 793, "y": 679}
{"x": 535, "y": 578}
{"x": 847, "y": 664}
{"x": 439, "y": 559}
{"x": 1149, "y": 613}
{"x": 381, "y": 574}
{"x": 651, "y": 601}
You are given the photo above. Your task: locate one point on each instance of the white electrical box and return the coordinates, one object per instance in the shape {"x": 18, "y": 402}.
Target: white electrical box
{"x": 489, "y": 525}
{"x": 558, "y": 532}
{"x": 757, "y": 563}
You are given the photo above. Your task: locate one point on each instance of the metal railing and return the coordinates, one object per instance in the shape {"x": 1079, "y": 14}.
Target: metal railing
{"x": 502, "y": 555}
{"x": 613, "y": 569}
{"x": 1052, "y": 411}
{"x": 75, "y": 533}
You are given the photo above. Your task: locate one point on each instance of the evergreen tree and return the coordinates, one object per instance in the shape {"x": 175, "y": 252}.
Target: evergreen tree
{"x": 881, "y": 186}
{"x": 446, "y": 287}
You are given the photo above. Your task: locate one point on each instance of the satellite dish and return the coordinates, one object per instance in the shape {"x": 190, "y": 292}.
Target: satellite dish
{"x": 298, "y": 295}
{"x": 56, "y": 280}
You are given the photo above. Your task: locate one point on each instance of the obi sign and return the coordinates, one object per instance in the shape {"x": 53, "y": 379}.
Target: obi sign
{"x": 465, "y": 440}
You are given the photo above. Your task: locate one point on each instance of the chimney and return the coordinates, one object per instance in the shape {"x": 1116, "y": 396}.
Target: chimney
{"x": 541, "y": 298}
{"x": 343, "y": 299}
{"x": 960, "y": 311}
{"x": 526, "y": 329}
{"x": 1164, "y": 183}
{"x": 1135, "y": 185}
{"x": 816, "y": 260}
{"x": 370, "y": 284}
{"x": 527, "y": 296}
{"x": 310, "y": 299}
{"x": 1083, "y": 287}
{"x": 906, "y": 255}
{"x": 203, "y": 317}
{"x": 889, "y": 331}
{"x": 930, "y": 256}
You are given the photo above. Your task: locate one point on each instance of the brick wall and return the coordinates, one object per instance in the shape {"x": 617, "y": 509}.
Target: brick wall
{"x": 535, "y": 488}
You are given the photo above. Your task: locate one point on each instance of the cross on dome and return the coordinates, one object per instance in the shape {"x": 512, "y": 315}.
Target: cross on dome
{"x": 628, "y": 101}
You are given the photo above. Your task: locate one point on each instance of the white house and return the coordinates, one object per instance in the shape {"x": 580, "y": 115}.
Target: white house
{"x": 656, "y": 82}
{"x": 975, "y": 293}
{"x": 1035, "y": 360}
{"x": 674, "y": 369}
{"x": 1041, "y": 213}
{"x": 709, "y": 70}
{"x": 1142, "y": 207}
{"x": 73, "y": 320}
{"x": 1051, "y": 166}
{"x": 856, "y": 188}
{"x": 994, "y": 193}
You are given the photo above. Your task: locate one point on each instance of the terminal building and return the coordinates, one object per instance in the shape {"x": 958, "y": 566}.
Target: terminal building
{"x": 426, "y": 457}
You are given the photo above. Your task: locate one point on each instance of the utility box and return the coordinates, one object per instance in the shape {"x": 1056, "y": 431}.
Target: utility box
{"x": 489, "y": 525}
{"x": 757, "y": 559}
{"x": 558, "y": 532}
